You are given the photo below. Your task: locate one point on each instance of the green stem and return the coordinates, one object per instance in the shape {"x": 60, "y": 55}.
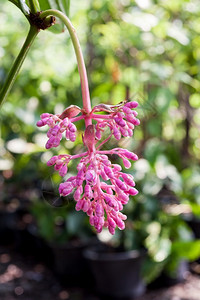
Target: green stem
{"x": 17, "y": 64}
{"x": 34, "y": 6}
{"x": 79, "y": 56}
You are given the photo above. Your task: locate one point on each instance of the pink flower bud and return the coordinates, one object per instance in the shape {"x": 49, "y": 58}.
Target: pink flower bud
{"x": 128, "y": 179}
{"x": 120, "y": 223}
{"x": 86, "y": 205}
{"x": 72, "y": 127}
{"x": 111, "y": 222}
{"x": 55, "y": 130}
{"x": 126, "y": 163}
{"x": 109, "y": 191}
{"x": 67, "y": 134}
{"x": 72, "y": 136}
{"x": 132, "y": 191}
{"x": 80, "y": 177}
{"x": 137, "y": 121}
{"x": 44, "y": 115}
{"x": 109, "y": 172}
{"x": 127, "y": 110}
{"x": 120, "y": 206}
{"x": 90, "y": 176}
{"x": 116, "y": 133}
{"x": 122, "y": 216}
{"x": 54, "y": 141}
{"x": 79, "y": 205}
{"x": 78, "y": 193}
{"x": 52, "y": 161}
{"x": 132, "y": 104}
{"x": 121, "y": 184}
{"x": 124, "y": 131}
{"x": 40, "y": 123}
{"x": 130, "y": 155}
{"x": 111, "y": 229}
{"x": 110, "y": 201}
{"x": 65, "y": 122}
{"x": 116, "y": 167}
{"x": 57, "y": 167}
{"x": 65, "y": 188}
{"x": 91, "y": 219}
{"x": 130, "y": 132}
{"x": 99, "y": 210}
{"x": 103, "y": 175}
{"x": 50, "y": 122}
{"x": 120, "y": 121}
{"x": 132, "y": 119}
{"x": 99, "y": 228}
{"x": 63, "y": 170}
{"x": 88, "y": 191}
{"x": 123, "y": 198}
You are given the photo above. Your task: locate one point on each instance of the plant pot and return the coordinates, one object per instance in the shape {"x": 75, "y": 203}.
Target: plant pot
{"x": 195, "y": 226}
{"x": 167, "y": 280}
{"x": 7, "y": 227}
{"x": 117, "y": 274}
{"x": 69, "y": 264}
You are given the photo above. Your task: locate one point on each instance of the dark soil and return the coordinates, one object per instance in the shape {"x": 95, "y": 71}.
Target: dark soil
{"x": 23, "y": 278}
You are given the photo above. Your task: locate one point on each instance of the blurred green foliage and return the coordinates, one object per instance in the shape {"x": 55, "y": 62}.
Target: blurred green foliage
{"x": 144, "y": 50}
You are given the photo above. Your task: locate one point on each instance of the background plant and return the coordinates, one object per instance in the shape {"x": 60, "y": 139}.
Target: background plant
{"x": 156, "y": 61}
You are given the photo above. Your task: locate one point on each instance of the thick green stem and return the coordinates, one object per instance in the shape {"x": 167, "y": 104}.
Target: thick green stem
{"x": 17, "y": 64}
{"x": 79, "y": 56}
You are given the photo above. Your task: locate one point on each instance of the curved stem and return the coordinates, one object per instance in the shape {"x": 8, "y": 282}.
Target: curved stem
{"x": 17, "y": 64}
{"x": 79, "y": 56}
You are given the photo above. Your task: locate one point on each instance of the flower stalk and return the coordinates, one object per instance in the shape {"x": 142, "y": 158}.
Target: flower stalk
{"x": 79, "y": 56}
{"x": 33, "y": 32}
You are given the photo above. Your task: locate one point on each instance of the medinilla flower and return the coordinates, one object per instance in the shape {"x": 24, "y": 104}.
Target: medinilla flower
{"x": 99, "y": 188}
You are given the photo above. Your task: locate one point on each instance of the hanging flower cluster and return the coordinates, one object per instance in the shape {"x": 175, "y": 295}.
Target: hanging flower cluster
{"x": 100, "y": 187}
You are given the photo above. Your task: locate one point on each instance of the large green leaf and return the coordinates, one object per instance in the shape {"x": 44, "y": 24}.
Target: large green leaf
{"x": 62, "y": 5}
{"x": 21, "y": 4}
{"x": 186, "y": 249}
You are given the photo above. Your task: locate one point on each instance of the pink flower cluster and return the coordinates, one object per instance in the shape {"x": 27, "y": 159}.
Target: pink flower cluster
{"x": 98, "y": 198}
{"x": 57, "y": 127}
{"x": 122, "y": 119}
{"x": 100, "y": 187}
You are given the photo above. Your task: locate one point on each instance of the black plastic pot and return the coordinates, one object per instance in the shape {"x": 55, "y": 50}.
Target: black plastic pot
{"x": 117, "y": 274}
{"x": 7, "y": 227}
{"x": 166, "y": 280}
{"x": 69, "y": 264}
{"x": 195, "y": 226}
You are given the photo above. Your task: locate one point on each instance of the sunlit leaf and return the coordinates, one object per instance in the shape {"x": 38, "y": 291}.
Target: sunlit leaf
{"x": 21, "y": 4}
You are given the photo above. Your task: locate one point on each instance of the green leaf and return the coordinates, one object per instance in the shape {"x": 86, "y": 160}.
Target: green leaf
{"x": 195, "y": 100}
{"x": 21, "y": 4}
{"x": 189, "y": 250}
{"x": 62, "y": 5}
